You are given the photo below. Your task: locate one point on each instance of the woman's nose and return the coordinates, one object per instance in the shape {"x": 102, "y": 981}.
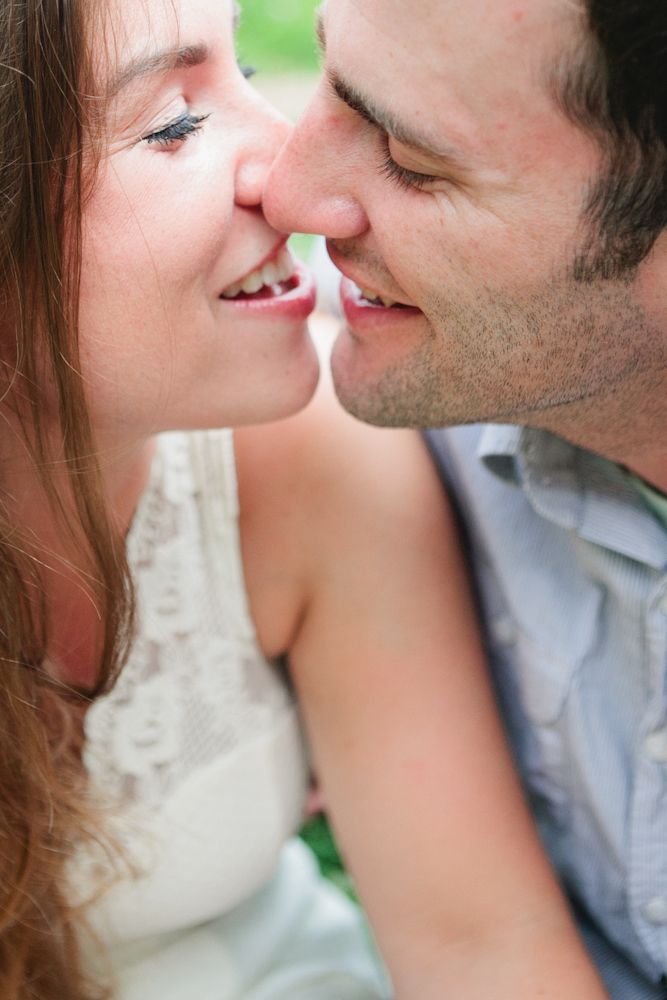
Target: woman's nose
{"x": 270, "y": 131}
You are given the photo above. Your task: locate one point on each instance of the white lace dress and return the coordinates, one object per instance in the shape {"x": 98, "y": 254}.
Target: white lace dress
{"x": 198, "y": 758}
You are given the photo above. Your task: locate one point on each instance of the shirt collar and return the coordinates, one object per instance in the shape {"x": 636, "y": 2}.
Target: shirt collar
{"x": 576, "y": 489}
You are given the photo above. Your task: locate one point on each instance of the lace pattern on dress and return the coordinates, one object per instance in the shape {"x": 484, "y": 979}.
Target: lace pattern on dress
{"x": 196, "y": 685}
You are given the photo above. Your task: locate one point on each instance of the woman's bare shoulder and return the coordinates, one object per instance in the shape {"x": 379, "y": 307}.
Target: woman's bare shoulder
{"x": 314, "y": 489}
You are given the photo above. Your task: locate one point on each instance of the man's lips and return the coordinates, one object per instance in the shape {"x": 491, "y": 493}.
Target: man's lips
{"x": 362, "y": 314}
{"x": 376, "y": 298}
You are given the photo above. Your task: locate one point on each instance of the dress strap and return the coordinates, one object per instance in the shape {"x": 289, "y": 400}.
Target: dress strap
{"x": 214, "y": 470}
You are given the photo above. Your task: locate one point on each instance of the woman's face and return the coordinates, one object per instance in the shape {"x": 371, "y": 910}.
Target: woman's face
{"x": 175, "y": 225}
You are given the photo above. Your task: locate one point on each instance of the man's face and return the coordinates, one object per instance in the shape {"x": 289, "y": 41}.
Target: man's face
{"x": 437, "y": 162}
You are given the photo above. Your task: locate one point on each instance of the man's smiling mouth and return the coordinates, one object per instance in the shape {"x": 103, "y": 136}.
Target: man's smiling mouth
{"x": 363, "y": 292}
{"x": 377, "y": 299}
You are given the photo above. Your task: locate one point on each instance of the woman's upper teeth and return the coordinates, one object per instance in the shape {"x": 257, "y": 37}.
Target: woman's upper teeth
{"x": 280, "y": 268}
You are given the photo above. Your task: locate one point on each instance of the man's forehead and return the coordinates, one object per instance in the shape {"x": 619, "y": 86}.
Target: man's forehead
{"x": 458, "y": 31}
{"x": 466, "y": 61}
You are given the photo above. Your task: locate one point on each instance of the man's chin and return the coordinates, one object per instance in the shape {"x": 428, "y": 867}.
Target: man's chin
{"x": 362, "y": 390}
{"x": 368, "y": 408}
{"x": 400, "y": 393}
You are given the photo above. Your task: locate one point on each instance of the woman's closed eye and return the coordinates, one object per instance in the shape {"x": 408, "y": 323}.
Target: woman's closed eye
{"x": 187, "y": 124}
{"x": 177, "y": 131}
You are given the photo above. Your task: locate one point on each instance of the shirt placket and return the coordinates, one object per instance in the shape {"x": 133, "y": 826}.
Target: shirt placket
{"x": 648, "y": 853}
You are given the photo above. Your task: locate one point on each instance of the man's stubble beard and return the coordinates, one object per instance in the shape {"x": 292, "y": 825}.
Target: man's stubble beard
{"x": 557, "y": 358}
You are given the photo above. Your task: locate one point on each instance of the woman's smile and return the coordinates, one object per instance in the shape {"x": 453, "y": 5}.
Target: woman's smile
{"x": 193, "y": 263}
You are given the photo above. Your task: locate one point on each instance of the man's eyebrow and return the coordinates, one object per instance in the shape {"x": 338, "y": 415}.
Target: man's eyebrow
{"x": 385, "y": 120}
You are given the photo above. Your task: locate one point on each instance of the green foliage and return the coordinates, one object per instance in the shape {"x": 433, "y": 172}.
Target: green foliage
{"x": 277, "y": 35}
{"x": 302, "y": 245}
{"x": 317, "y": 834}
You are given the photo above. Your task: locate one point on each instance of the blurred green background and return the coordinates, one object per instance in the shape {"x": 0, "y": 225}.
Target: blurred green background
{"x": 277, "y": 36}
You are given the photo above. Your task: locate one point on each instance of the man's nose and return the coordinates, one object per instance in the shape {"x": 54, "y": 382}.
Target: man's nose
{"x": 311, "y": 185}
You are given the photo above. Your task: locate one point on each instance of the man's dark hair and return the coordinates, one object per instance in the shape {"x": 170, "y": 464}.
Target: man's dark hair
{"x": 616, "y": 89}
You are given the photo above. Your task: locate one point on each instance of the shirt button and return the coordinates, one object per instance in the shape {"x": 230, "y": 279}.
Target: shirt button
{"x": 655, "y": 746}
{"x": 504, "y": 631}
{"x": 655, "y": 911}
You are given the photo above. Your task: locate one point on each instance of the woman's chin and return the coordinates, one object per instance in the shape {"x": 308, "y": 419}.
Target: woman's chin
{"x": 285, "y": 391}
{"x": 295, "y": 392}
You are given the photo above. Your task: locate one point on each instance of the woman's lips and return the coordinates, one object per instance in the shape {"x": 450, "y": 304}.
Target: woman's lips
{"x": 274, "y": 269}
{"x": 291, "y": 299}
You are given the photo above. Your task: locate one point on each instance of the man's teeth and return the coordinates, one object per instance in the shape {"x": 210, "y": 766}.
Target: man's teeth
{"x": 372, "y": 296}
{"x": 280, "y": 269}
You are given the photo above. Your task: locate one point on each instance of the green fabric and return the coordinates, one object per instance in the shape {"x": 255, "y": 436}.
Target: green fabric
{"x": 655, "y": 500}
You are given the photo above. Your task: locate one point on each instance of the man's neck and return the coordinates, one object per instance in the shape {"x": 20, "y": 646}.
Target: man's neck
{"x": 653, "y": 470}
{"x": 626, "y": 424}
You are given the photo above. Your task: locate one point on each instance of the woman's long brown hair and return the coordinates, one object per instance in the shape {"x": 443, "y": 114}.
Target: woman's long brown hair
{"x": 45, "y": 71}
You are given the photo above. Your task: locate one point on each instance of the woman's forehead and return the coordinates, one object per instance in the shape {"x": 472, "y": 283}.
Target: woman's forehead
{"x": 139, "y": 37}
{"x": 138, "y": 43}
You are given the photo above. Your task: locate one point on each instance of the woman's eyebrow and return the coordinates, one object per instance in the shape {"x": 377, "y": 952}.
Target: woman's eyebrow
{"x": 166, "y": 60}
{"x": 158, "y": 62}
{"x": 320, "y": 33}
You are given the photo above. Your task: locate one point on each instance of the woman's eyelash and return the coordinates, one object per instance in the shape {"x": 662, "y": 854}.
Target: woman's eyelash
{"x": 177, "y": 131}
{"x": 406, "y": 179}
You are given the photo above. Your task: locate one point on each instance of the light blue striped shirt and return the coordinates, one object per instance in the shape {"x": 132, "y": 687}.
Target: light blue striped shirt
{"x": 571, "y": 568}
